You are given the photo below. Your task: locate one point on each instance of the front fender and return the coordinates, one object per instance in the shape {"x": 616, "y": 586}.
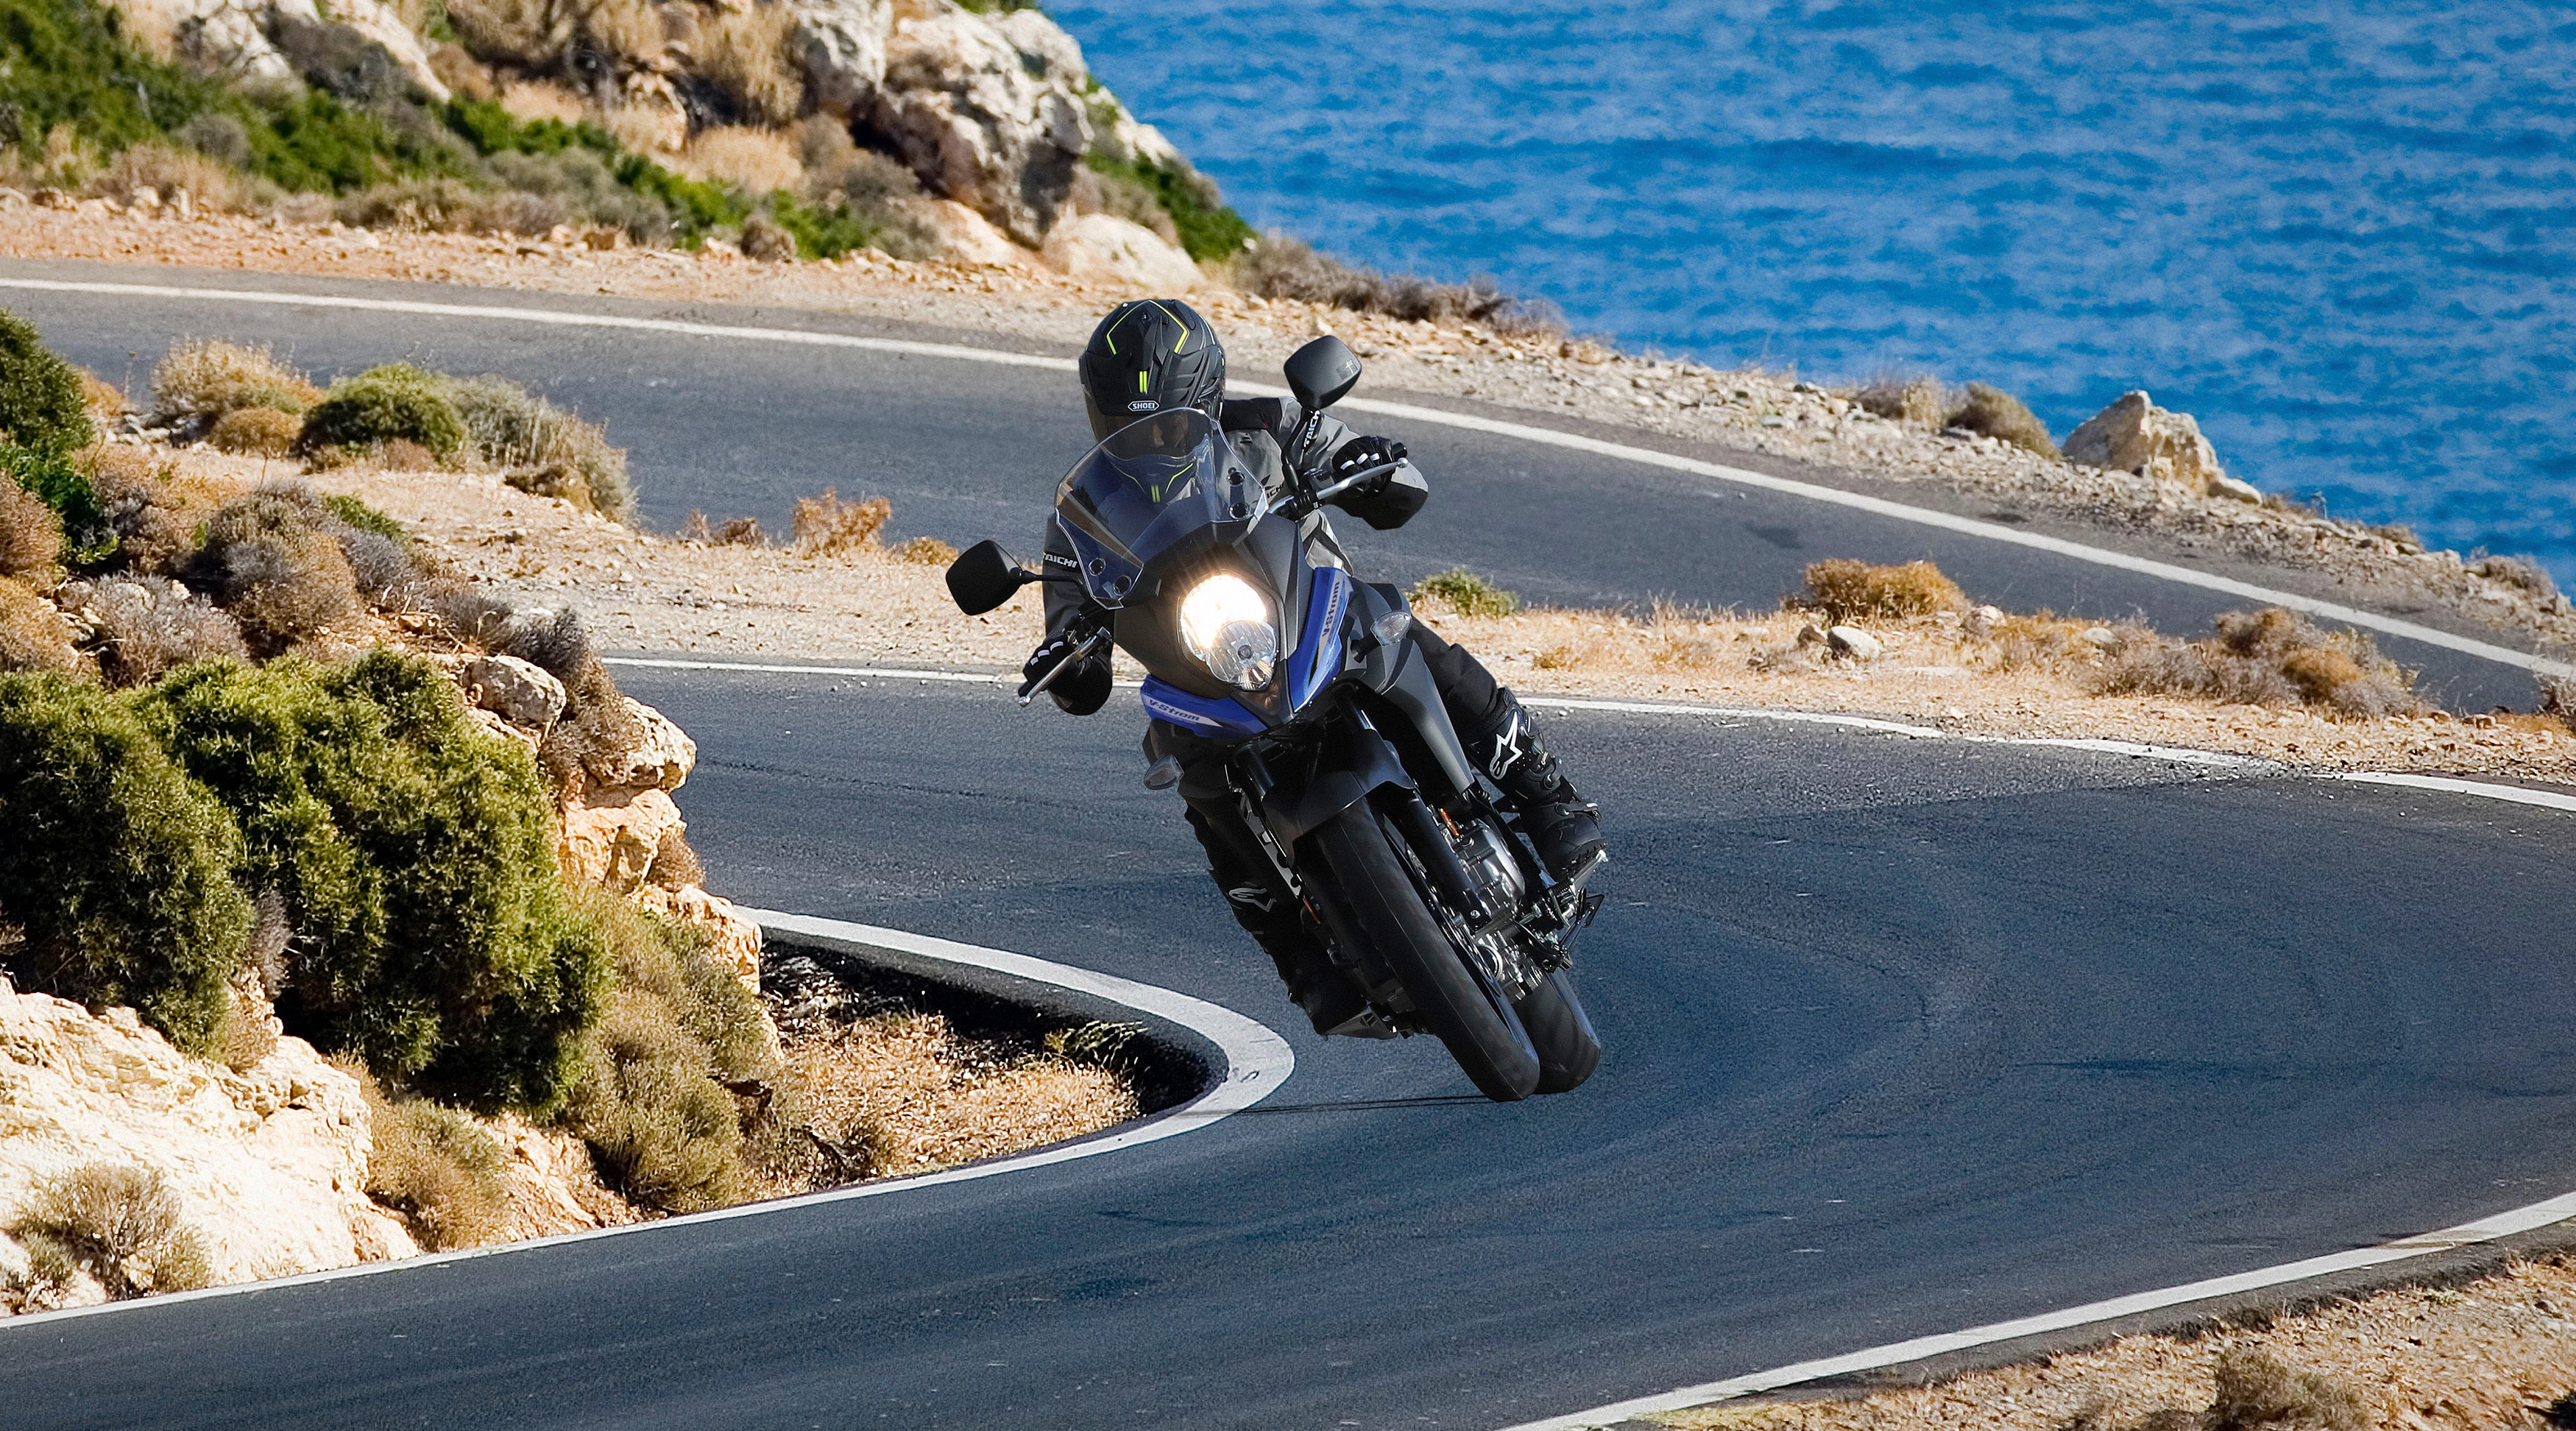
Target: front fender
{"x": 1361, "y": 763}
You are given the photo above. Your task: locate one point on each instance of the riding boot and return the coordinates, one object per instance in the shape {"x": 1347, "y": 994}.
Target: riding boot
{"x": 1565, "y": 828}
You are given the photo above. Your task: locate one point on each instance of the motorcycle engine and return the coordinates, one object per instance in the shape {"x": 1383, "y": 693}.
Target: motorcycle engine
{"x": 1497, "y": 875}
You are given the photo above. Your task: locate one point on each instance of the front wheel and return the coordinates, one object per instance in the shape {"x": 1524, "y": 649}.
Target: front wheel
{"x": 1568, "y": 1049}
{"x": 1371, "y": 901}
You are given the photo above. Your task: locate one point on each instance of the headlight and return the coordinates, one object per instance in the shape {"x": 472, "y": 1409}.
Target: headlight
{"x": 1227, "y": 624}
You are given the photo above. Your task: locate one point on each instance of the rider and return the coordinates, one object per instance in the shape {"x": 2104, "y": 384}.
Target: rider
{"x": 1156, "y": 354}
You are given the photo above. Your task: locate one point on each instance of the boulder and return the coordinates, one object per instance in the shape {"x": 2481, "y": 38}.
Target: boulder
{"x": 554, "y": 1187}
{"x": 841, "y": 47}
{"x": 1853, "y": 642}
{"x": 520, "y": 692}
{"x": 1106, "y": 249}
{"x": 961, "y": 106}
{"x": 269, "y": 1166}
{"x": 737, "y": 938}
{"x": 968, "y": 237}
{"x": 2135, "y": 435}
{"x": 660, "y": 757}
{"x": 610, "y": 842}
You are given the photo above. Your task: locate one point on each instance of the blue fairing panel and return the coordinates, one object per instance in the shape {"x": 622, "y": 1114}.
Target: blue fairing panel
{"x": 1198, "y": 714}
{"x": 1319, "y": 650}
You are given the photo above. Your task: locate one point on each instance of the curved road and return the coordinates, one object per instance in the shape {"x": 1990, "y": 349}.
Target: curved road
{"x": 965, "y": 451}
{"x": 1905, "y": 1036}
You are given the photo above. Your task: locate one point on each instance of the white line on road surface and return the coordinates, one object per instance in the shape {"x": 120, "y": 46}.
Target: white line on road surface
{"x": 2467, "y": 1234}
{"x": 1741, "y": 477}
{"x": 1257, "y": 1062}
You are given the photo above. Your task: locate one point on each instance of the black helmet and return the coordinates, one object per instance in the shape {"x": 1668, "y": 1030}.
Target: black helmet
{"x": 1147, "y": 356}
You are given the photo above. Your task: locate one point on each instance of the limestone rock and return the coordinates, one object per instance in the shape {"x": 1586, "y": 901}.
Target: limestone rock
{"x": 270, "y": 1165}
{"x": 520, "y": 692}
{"x": 963, "y": 109}
{"x": 1103, "y": 248}
{"x": 554, "y": 1188}
{"x": 2135, "y": 435}
{"x": 258, "y": 40}
{"x": 841, "y": 47}
{"x": 610, "y": 844}
{"x": 2223, "y": 485}
{"x": 1853, "y": 642}
{"x": 737, "y": 938}
{"x": 661, "y": 757}
{"x": 969, "y": 237}
{"x": 499, "y": 729}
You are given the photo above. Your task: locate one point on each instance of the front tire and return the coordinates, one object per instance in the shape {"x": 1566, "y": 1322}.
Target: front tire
{"x": 1568, "y": 1049}
{"x": 1371, "y": 901}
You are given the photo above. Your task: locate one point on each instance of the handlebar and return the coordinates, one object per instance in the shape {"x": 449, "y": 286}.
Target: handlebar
{"x": 1298, "y": 504}
{"x": 1029, "y": 688}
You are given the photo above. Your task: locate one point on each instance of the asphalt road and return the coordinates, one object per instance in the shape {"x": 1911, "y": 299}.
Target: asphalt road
{"x": 1903, "y": 1036}
{"x": 967, "y": 451}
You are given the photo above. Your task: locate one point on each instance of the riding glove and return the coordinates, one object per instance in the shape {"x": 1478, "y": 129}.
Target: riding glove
{"x": 1082, "y": 689}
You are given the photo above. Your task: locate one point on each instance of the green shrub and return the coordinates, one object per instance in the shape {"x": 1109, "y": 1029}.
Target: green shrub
{"x": 1209, "y": 229}
{"x": 654, "y": 1105}
{"x": 359, "y": 515}
{"x": 122, "y": 1223}
{"x": 394, "y": 402}
{"x": 42, "y": 407}
{"x": 315, "y": 143}
{"x": 1466, "y": 593}
{"x": 117, "y": 867}
{"x": 416, "y": 859}
{"x": 69, "y": 62}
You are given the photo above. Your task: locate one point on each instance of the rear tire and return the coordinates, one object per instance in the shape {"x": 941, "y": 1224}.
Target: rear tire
{"x": 1568, "y": 1049}
{"x": 1371, "y": 899}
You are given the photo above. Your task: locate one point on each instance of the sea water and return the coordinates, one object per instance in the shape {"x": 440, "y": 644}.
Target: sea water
{"x": 2342, "y": 236}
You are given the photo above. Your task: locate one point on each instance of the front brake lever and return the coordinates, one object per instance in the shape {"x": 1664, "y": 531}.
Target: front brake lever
{"x": 1029, "y": 689}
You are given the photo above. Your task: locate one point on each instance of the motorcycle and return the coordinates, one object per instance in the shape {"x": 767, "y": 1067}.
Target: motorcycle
{"x": 1342, "y": 762}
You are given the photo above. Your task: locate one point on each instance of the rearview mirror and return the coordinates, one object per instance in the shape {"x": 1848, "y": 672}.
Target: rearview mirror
{"x": 984, "y": 576}
{"x": 1322, "y": 373}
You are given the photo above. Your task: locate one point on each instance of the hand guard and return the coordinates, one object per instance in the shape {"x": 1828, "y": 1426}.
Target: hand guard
{"x": 1081, "y": 690}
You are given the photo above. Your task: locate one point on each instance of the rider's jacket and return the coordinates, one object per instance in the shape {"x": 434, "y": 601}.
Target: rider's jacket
{"x": 1261, "y": 431}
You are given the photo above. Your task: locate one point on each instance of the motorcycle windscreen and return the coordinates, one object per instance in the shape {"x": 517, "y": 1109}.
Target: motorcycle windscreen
{"x": 1160, "y": 486}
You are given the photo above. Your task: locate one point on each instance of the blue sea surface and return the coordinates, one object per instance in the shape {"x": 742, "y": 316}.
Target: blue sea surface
{"x": 2342, "y": 236}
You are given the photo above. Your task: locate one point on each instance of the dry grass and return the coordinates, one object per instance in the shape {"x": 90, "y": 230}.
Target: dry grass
{"x": 1995, "y": 413}
{"x": 2491, "y": 1355}
{"x": 925, "y": 551}
{"x": 31, "y": 536}
{"x": 203, "y": 378}
{"x": 2270, "y": 657}
{"x": 436, "y": 1166}
{"x": 732, "y": 532}
{"x": 743, "y": 53}
{"x": 120, "y": 1222}
{"x": 916, "y": 1097}
{"x": 827, "y": 526}
{"x": 2516, "y": 571}
{"x": 756, "y": 161}
{"x": 105, "y": 400}
{"x": 1907, "y": 397}
{"x": 1856, "y": 591}
{"x": 256, "y": 432}
{"x": 166, "y": 170}
{"x": 1282, "y": 267}
{"x": 148, "y": 626}
{"x": 33, "y": 635}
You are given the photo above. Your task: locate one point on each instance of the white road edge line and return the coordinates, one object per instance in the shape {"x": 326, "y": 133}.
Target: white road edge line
{"x": 2467, "y": 1234}
{"x": 1741, "y": 477}
{"x": 1257, "y": 1062}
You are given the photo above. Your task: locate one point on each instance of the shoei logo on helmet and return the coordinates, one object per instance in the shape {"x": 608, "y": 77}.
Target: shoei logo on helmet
{"x": 1143, "y": 405}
